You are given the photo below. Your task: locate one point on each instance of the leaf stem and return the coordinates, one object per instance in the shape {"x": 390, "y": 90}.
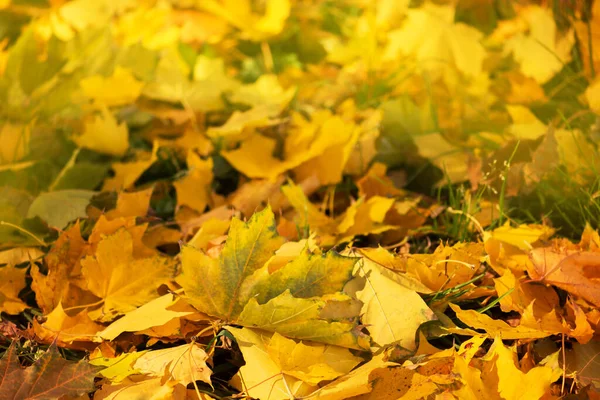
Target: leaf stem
{"x": 25, "y": 231}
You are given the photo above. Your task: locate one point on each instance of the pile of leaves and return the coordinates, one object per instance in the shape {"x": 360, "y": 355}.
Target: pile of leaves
{"x": 281, "y": 199}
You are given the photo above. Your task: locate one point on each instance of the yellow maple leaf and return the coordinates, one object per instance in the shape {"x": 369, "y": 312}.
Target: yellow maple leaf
{"x": 64, "y": 329}
{"x": 149, "y": 25}
{"x": 535, "y": 43}
{"x": 134, "y": 204}
{"x": 431, "y": 36}
{"x": 12, "y": 281}
{"x": 194, "y": 189}
{"x": 116, "y": 90}
{"x": 514, "y": 384}
{"x": 266, "y": 91}
{"x": 451, "y": 159}
{"x": 122, "y": 282}
{"x": 142, "y": 388}
{"x": 104, "y": 135}
{"x": 496, "y": 327}
{"x": 525, "y": 123}
{"x": 392, "y": 311}
{"x": 360, "y": 381}
{"x": 254, "y": 26}
{"x": 183, "y": 364}
{"x": 128, "y": 172}
{"x": 275, "y": 364}
{"x": 154, "y": 313}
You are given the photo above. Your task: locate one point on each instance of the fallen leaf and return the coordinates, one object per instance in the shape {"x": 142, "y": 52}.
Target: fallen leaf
{"x": 183, "y": 364}
{"x": 194, "y": 189}
{"x": 117, "y": 368}
{"x": 116, "y": 90}
{"x": 513, "y": 383}
{"x": 496, "y": 327}
{"x": 132, "y": 204}
{"x": 391, "y": 310}
{"x": 104, "y": 135}
{"x": 12, "y": 281}
{"x": 275, "y": 365}
{"x": 109, "y": 276}
{"x": 152, "y": 313}
{"x": 574, "y": 272}
{"x": 61, "y": 207}
{"x": 537, "y": 45}
{"x": 251, "y": 296}
{"x": 51, "y": 376}
{"x": 447, "y": 44}
{"x": 65, "y": 329}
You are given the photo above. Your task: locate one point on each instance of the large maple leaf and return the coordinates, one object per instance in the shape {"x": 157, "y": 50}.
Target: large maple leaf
{"x": 240, "y": 289}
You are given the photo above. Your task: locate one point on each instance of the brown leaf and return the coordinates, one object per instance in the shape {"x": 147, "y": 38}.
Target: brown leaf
{"x": 50, "y": 377}
{"x": 576, "y": 272}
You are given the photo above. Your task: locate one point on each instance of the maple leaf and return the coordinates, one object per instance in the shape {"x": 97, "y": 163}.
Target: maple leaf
{"x": 391, "y": 310}
{"x": 194, "y": 189}
{"x": 533, "y": 39}
{"x": 50, "y": 377}
{"x": 128, "y": 172}
{"x": 63, "y": 281}
{"x": 109, "y": 276}
{"x": 104, "y": 135}
{"x": 515, "y": 384}
{"x": 448, "y": 43}
{"x": 288, "y": 301}
{"x": 153, "y": 313}
{"x": 575, "y": 272}
{"x": 119, "y": 89}
{"x": 277, "y": 367}
{"x": 65, "y": 329}
{"x": 12, "y": 281}
{"x": 253, "y": 25}
{"x": 183, "y": 364}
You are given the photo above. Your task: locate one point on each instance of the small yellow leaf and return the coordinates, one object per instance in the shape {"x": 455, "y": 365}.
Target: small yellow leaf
{"x": 362, "y": 380}
{"x": 116, "y": 90}
{"x": 134, "y": 204}
{"x": 104, "y": 135}
{"x": 525, "y": 123}
{"x": 127, "y": 173}
{"x": 142, "y": 388}
{"x": 12, "y": 281}
{"x": 266, "y": 91}
{"x": 194, "y": 189}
